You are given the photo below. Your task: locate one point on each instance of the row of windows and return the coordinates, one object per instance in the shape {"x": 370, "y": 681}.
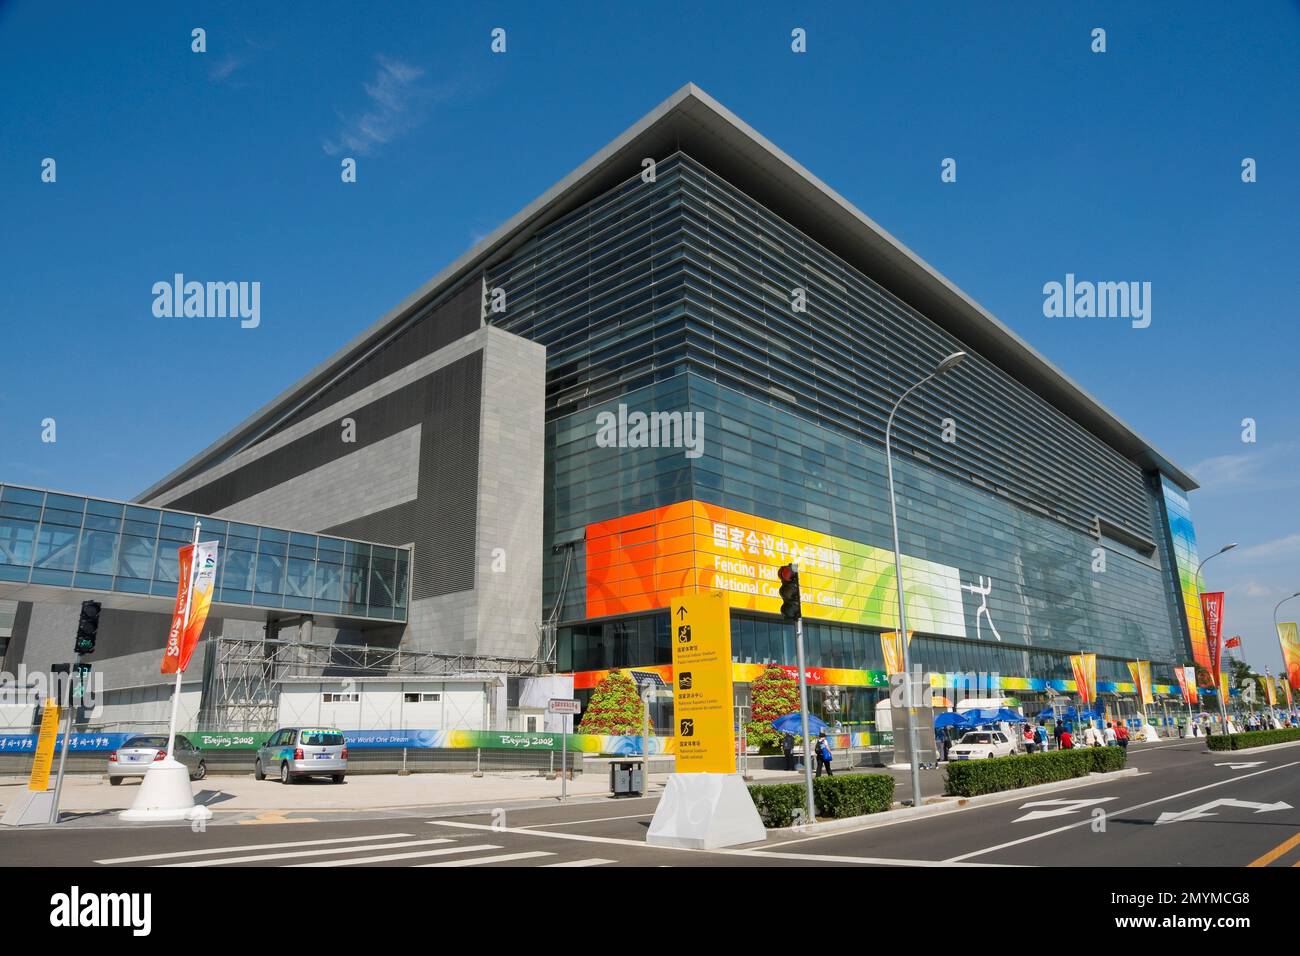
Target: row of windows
{"x": 616, "y": 263}
{"x": 64, "y": 540}
{"x": 1045, "y": 590}
{"x": 644, "y": 641}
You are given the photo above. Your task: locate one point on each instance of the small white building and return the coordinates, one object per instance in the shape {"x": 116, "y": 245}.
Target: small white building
{"x": 462, "y": 702}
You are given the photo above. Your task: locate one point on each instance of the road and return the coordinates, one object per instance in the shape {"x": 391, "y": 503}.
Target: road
{"x": 1186, "y": 807}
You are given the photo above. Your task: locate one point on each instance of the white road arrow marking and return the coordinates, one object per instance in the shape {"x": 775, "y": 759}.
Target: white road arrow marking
{"x": 1062, "y": 807}
{"x": 1242, "y": 766}
{"x": 1204, "y": 810}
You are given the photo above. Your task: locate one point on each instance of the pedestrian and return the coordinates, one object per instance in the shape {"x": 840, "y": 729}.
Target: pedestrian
{"x": 787, "y": 748}
{"x": 1040, "y": 737}
{"x": 1111, "y": 738}
{"x": 823, "y": 755}
{"x": 1066, "y": 740}
{"x": 1058, "y": 731}
{"x": 1122, "y": 735}
{"x": 1027, "y": 736}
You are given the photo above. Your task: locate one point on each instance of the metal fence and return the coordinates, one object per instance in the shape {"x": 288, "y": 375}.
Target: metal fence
{"x": 240, "y": 762}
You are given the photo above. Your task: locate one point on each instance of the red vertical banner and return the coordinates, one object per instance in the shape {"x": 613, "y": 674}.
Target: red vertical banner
{"x": 195, "y": 584}
{"x": 1187, "y": 683}
{"x": 1212, "y": 613}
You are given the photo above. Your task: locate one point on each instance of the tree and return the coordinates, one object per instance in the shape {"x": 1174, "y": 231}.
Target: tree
{"x": 615, "y": 707}
{"x": 773, "y": 693}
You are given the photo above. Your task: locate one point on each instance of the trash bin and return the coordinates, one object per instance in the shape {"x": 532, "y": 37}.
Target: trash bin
{"x": 626, "y": 777}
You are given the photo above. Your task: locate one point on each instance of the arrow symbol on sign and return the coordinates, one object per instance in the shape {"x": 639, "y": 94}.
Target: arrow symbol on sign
{"x": 681, "y": 612}
{"x": 1062, "y": 807}
{"x": 1242, "y": 766}
{"x": 1204, "y": 810}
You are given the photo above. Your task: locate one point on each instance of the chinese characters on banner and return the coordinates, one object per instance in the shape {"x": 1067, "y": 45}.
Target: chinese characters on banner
{"x": 1212, "y": 614}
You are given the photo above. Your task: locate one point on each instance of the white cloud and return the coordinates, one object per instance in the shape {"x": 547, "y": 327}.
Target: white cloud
{"x": 1271, "y": 550}
{"x": 398, "y": 102}
{"x": 1254, "y": 589}
{"x": 224, "y": 67}
{"x": 1255, "y": 470}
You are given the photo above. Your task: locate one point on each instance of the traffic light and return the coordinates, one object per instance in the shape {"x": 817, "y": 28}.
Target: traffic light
{"x": 87, "y": 627}
{"x": 791, "y": 609}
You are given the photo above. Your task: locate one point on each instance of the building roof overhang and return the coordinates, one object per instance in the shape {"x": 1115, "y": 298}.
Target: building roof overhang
{"x": 693, "y": 122}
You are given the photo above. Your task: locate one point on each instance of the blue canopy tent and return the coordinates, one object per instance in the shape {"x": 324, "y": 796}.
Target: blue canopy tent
{"x": 793, "y": 724}
{"x": 949, "y": 719}
{"x": 979, "y": 716}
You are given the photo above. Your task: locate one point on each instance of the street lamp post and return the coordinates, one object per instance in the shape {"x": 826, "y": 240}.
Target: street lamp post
{"x": 1218, "y": 690}
{"x": 949, "y": 363}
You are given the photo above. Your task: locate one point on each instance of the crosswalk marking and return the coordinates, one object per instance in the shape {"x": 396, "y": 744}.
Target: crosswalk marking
{"x": 593, "y": 861}
{"x": 256, "y": 846}
{"x": 387, "y": 857}
{"x": 262, "y": 857}
{"x": 500, "y": 858}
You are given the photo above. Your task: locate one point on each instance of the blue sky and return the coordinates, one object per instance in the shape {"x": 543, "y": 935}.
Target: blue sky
{"x": 224, "y": 165}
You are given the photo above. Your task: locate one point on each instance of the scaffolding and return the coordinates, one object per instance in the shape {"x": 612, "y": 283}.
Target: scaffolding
{"x": 242, "y": 676}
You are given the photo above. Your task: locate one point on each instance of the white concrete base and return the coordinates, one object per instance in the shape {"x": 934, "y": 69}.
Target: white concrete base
{"x": 1150, "y": 732}
{"x": 32, "y": 808}
{"x": 705, "y": 811}
{"x": 165, "y": 794}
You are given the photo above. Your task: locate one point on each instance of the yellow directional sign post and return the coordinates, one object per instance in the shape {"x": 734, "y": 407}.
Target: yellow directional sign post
{"x": 702, "y": 691}
{"x": 49, "y": 733}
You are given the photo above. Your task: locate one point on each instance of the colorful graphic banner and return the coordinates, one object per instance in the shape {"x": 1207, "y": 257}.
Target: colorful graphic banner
{"x": 1085, "y": 676}
{"x": 1290, "y": 640}
{"x": 891, "y": 646}
{"x": 640, "y": 562}
{"x": 1187, "y": 683}
{"x": 196, "y": 582}
{"x": 703, "y": 698}
{"x": 80, "y": 743}
{"x": 1212, "y": 615}
{"x": 745, "y": 673}
{"x": 1140, "y": 671}
{"x": 1270, "y": 690}
{"x": 1182, "y": 534}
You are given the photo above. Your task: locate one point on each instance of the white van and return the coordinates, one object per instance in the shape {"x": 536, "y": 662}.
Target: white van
{"x": 1014, "y": 732}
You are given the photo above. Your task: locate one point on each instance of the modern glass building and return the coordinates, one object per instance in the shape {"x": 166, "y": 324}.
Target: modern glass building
{"x": 1039, "y": 525}
{"x": 672, "y": 372}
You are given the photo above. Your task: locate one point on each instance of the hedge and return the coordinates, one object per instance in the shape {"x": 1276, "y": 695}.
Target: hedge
{"x": 1252, "y": 738}
{"x": 970, "y": 778}
{"x": 848, "y": 795}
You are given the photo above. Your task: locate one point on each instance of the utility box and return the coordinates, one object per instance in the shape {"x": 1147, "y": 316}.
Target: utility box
{"x": 627, "y": 777}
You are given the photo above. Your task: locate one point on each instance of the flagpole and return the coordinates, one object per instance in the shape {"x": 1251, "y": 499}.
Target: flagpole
{"x": 185, "y": 617}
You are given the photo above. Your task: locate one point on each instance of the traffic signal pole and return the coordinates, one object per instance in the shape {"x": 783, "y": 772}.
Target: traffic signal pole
{"x": 792, "y": 610}
{"x": 810, "y": 808}
{"x": 67, "y": 742}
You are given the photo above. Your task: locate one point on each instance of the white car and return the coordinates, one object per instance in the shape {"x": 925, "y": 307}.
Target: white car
{"x": 979, "y": 744}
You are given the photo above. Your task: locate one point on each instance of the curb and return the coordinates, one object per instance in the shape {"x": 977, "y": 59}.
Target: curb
{"x": 952, "y": 805}
{"x": 1252, "y": 750}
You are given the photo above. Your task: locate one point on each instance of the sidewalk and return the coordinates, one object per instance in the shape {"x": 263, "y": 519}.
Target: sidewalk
{"x": 360, "y": 792}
